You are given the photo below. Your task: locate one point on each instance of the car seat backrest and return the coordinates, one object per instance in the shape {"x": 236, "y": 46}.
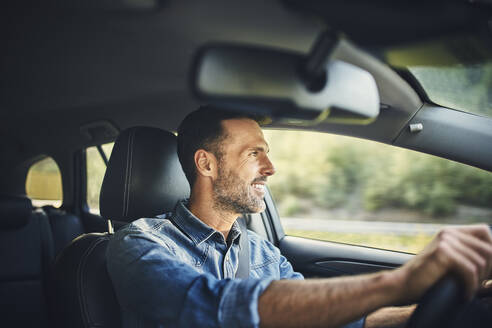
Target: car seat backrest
{"x": 143, "y": 178}
{"x": 65, "y": 227}
{"x": 26, "y": 256}
{"x": 84, "y": 293}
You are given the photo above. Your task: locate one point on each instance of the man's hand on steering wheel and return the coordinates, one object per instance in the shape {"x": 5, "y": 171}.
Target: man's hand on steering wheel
{"x": 463, "y": 251}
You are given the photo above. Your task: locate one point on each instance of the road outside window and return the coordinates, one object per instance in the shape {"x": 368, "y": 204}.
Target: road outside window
{"x": 355, "y": 191}
{"x": 95, "y": 174}
{"x": 44, "y": 183}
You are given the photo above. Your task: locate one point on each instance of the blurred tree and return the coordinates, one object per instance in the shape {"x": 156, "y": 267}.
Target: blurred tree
{"x": 327, "y": 169}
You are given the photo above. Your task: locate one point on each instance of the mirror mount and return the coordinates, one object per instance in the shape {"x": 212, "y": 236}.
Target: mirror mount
{"x": 313, "y": 70}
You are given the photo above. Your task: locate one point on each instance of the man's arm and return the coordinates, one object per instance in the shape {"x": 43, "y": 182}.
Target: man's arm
{"x": 465, "y": 251}
{"x": 390, "y": 317}
{"x": 325, "y": 302}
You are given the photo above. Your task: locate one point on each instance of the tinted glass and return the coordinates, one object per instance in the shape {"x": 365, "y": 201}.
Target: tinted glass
{"x": 454, "y": 72}
{"x": 44, "y": 183}
{"x": 95, "y": 174}
{"x": 362, "y": 192}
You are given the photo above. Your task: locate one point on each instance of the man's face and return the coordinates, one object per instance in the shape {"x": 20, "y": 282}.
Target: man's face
{"x": 243, "y": 168}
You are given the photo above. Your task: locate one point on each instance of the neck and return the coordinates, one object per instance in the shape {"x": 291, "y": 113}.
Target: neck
{"x": 200, "y": 206}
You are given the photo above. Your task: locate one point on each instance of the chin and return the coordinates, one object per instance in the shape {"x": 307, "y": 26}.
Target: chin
{"x": 253, "y": 209}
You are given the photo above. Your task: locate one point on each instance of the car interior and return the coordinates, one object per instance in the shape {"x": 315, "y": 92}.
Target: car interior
{"x": 79, "y": 74}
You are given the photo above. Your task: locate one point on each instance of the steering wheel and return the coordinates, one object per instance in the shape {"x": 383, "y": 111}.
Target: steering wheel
{"x": 439, "y": 305}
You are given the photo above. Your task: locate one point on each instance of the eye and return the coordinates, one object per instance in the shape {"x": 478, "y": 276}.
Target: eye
{"x": 254, "y": 153}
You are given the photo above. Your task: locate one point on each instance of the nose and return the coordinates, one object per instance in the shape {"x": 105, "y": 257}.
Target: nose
{"x": 267, "y": 168}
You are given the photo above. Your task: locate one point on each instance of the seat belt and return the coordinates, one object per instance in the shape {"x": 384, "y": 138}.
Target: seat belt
{"x": 243, "y": 267}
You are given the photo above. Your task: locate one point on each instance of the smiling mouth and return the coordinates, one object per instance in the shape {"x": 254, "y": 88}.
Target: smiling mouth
{"x": 259, "y": 187}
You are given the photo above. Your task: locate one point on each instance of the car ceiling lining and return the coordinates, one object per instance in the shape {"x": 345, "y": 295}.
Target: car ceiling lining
{"x": 152, "y": 56}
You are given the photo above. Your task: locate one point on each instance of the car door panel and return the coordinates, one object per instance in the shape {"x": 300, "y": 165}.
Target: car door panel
{"x": 316, "y": 258}
{"x": 321, "y": 258}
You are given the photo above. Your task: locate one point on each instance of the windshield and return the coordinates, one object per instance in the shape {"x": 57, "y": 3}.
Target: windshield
{"x": 453, "y": 72}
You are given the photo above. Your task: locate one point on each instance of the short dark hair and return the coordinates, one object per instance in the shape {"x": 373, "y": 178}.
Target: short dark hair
{"x": 202, "y": 129}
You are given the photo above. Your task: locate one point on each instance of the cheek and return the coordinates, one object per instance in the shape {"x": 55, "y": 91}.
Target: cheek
{"x": 244, "y": 163}
{"x": 248, "y": 177}
{"x": 249, "y": 172}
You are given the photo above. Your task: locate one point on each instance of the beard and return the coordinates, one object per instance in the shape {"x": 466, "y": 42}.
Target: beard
{"x": 233, "y": 194}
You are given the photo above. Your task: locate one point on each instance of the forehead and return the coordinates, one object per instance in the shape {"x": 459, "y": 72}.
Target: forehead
{"x": 243, "y": 133}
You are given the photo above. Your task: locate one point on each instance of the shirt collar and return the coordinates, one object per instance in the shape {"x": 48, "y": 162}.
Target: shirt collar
{"x": 196, "y": 229}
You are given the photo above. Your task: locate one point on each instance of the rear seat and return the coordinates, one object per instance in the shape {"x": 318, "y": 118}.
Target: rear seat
{"x": 26, "y": 257}
{"x": 64, "y": 226}
{"x": 30, "y": 238}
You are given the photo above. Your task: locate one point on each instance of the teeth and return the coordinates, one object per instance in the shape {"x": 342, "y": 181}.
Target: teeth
{"x": 258, "y": 186}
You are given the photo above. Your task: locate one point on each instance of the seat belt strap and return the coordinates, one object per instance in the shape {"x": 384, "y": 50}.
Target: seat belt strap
{"x": 243, "y": 267}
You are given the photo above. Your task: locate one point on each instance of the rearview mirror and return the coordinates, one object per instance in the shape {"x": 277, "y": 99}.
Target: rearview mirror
{"x": 270, "y": 83}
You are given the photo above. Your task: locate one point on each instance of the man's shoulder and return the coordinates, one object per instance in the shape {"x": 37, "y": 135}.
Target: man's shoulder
{"x": 253, "y": 236}
{"x": 256, "y": 238}
{"x": 146, "y": 225}
{"x": 150, "y": 229}
{"x": 259, "y": 244}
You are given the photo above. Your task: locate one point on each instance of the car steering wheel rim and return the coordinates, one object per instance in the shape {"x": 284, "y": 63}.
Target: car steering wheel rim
{"x": 439, "y": 305}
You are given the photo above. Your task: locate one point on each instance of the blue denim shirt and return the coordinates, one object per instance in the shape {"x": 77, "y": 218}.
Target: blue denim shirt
{"x": 176, "y": 271}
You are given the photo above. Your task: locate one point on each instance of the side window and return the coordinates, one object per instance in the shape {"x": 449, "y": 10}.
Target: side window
{"x": 44, "y": 183}
{"x": 96, "y": 167}
{"x": 355, "y": 191}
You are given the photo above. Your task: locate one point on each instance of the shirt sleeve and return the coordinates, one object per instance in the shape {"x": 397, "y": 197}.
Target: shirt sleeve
{"x": 286, "y": 270}
{"x": 356, "y": 324}
{"x": 264, "y": 249}
{"x": 151, "y": 281}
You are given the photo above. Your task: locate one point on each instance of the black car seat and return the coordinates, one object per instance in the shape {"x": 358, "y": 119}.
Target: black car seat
{"x": 143, "y": 179}
{"x": 65, "y": 226}
{"x": 26, "y": 256}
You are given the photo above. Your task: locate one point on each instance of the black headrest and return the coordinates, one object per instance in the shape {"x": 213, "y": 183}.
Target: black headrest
{"x": 14, "y": 211}
{"x": 144, "y": 177}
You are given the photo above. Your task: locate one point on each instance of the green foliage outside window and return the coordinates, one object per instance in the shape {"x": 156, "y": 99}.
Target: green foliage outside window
{"x": 328, "y": 171}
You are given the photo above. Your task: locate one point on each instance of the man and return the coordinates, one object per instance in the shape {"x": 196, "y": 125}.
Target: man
{"x": 179, "y": 269}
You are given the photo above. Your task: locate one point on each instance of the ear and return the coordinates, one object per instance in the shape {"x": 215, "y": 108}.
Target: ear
{"x": 205, "y": 163}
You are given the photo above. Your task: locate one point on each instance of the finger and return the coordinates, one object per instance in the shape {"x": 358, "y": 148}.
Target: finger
{"x": 461, "y": 245}
{"x": 475, "y": 236}
{"x": 481, "y": 231}
{"x": 478, "y": 248}
{"x": 484, "y": 247}
{"x": 462, "y": 266}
